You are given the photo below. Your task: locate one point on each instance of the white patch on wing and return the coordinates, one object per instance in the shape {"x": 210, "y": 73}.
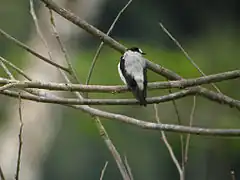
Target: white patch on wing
{"x": 140, "y": 50}
{"x": 121, "y": 75}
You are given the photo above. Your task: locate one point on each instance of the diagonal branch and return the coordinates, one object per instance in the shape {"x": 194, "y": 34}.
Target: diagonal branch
{"x": 62, "y": 47}
{"x": 103, "y": 170}
{"x": 18, "y": 70}
{"x": 112, "y": 149}
{"x": 102, "y": 43}
{"x": 169, "y": 147}
{"x": 185, "y": 53}
{"x": 28, "y": 49}
{"x": 106, "y": 39}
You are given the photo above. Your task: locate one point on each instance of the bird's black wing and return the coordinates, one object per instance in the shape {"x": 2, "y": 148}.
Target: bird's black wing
{"x": 145, "y": 82}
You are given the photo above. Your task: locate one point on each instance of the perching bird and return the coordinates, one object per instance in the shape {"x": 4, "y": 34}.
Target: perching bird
{"x": 132, "y": 69}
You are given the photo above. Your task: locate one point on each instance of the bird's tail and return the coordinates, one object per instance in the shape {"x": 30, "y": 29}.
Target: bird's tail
{"x": 140, "y": 96}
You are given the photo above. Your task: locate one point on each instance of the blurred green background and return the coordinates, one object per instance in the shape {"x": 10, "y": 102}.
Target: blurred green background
{"x": 209, "y": 32}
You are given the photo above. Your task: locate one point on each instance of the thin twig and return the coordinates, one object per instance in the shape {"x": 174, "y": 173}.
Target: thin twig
{"x": 6, "y": 69}
{"x": 164, "y": 127}
{"x": 103, "y": 37}
{"x": 180, "y": 123}
{"x": 62, "y": 47}
{"x": 2, "y": 174}
{"x": 190, "y": 125}
{"x": 152, "y": 126}
{"x": 7, "y": 86}
{"x": 39, "y": 32}
{"x": 83, "y": 24}
{"x": 102, "y": 43}
{"x": 103, "y": 170}
{"x": 31, "y": 91}
{"x": 101, "y": 128}
{"x": 170, "y": 150}
{"x": 20, "y": 139}
{"x": 185, "y": 53}
{"x": 128, "y": 167}
{"x": 16, "y": 69}
{"x": 112, "y": 149}
{"x": 28, "y": 49}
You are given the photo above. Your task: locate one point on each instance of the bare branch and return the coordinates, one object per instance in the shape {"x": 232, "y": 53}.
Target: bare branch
{"x": 153, "y": 126}
{"x": 156, "y": 126}
{"x": 102, "y": 43}
{"x": 106, "y": 39}
{"x": 185, "y": 53}
{"x": 62, "y": 47}
{"x": 19, "y": 139}
{"x": 6, "y": 69}
{"x": 190, "y": 124}
{"x": 170, "y": 150}
{"x": 103, "y": 170}
{"x": 28, "y": 49}
{"x": 7, "y": 86}
{"x": 112, "y": 149}
{"x": 184, "y": 83}
{"x": 103, "y": 132}
{"x": 39, "y": 32}
{"x": 179, "y": 123}
{"x": 128, "y": 168}
{"x": 84, "y": 25}
{"x": 15, "y": 68}
{"x": 72, "y": 101}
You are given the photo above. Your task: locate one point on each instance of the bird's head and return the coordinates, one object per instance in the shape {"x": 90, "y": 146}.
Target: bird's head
{"x": 136, "y": 49}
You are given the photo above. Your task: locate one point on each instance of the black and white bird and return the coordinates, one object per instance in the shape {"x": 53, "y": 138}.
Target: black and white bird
{"x": 132, "y": 69}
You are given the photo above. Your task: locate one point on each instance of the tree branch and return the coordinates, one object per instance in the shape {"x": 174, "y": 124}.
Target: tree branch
{"x": 28, "y": 49}
{"x": 156, "y": 126}
{"x": 106, "y": 39}
{"x": 185, "y": 53}
{"x": 152, "y": 126}
{"x": 20, "y": 139}
{"x": 102, "y": 43}
{"x": 184, "y": 83}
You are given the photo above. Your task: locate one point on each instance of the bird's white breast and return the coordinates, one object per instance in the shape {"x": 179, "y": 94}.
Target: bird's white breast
{"x": 121, "y": 75}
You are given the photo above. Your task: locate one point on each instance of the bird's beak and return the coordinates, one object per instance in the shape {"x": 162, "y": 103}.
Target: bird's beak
{"x": 143, "y": 53}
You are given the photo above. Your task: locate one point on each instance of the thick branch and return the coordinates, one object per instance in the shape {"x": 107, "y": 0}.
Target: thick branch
{"x": 163, "y": 127}
{"x": 155, "y": 126}
{"x": 149, "y": 125}
{"x": 67, "y": 14}
{"x": 173, "y": 96}
{"x": 74, "y": 101}
{"x": 184, "y": 83}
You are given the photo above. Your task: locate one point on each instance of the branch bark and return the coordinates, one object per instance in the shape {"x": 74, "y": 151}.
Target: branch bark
{"x": 184, "y": 83}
